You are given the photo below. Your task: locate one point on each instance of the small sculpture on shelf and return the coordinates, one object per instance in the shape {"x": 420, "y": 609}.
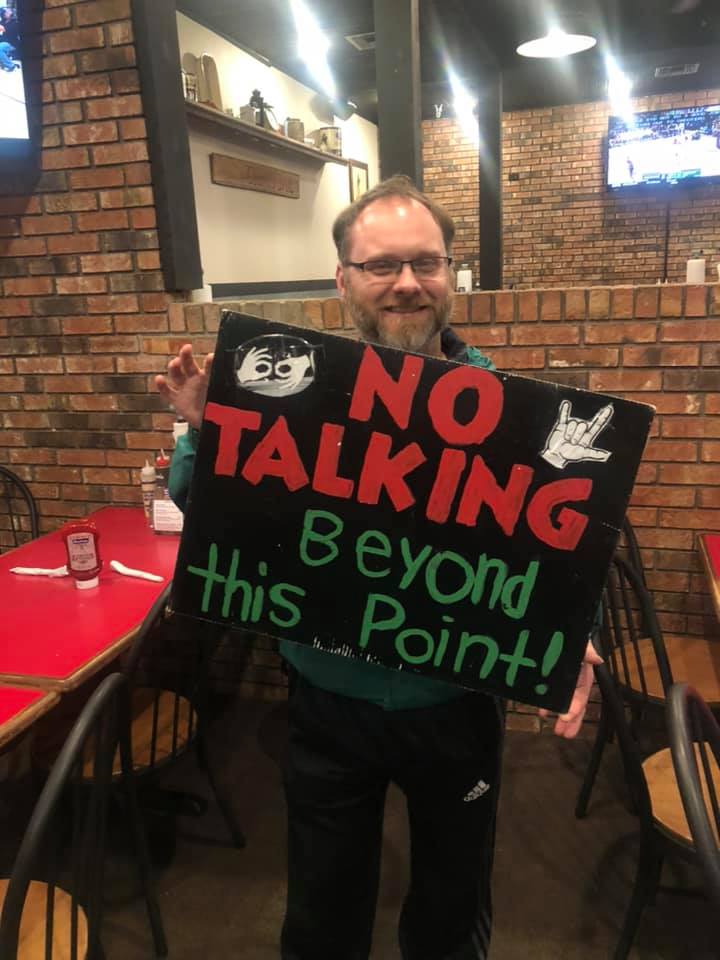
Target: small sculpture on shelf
{"x": 262, "y": 109}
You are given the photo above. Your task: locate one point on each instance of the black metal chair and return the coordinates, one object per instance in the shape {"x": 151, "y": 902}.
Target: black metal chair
{"x": 633, "y": 646}
{"x": 165, "y": 724}
{"x": 18, "y": 511}
{"x": 52, "y": 903}
{"x": 663, "y": 827}
{"x": 695, "y": 747}
{"x": 630, "y": 548}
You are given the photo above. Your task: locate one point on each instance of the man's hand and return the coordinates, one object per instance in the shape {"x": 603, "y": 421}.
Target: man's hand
{"x": 185, "y": 386}
{"x": 568, "y": 724}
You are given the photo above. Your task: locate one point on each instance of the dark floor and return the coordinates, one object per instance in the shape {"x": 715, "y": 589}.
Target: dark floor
{"x": 561, "y": 885}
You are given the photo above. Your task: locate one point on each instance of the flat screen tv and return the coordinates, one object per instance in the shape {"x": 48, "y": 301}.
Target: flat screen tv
{"x": 664, "y": 148}
{"x": 18, "y": 77}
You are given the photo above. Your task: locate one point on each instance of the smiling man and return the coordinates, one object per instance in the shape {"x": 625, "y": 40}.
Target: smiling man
{"x": 354, "y": 727}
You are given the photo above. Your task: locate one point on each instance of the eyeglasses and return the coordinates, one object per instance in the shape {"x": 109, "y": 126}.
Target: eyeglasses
{"x": 421, "y": 267}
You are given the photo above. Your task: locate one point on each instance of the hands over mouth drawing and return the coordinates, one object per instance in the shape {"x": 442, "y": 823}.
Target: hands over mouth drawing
{"x": 275, "y": 365}
{"x": 571, "y": 439}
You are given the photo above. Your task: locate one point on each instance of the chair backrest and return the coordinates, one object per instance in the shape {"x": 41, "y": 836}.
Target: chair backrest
{"x": 631, "y": 638}
{"x": 18, "y": 511}
{"x": 630, "y": 749}
{"x": 630, "y": 548}
{"x": 695, "y": 747}
{"x": 163, "y": 721}
{"x": 58, "y": 870}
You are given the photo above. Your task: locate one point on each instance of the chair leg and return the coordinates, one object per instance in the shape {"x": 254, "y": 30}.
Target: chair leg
{"x": 602, "y": 736}
{"x": 141, "y": 849}
{"x": 223, "y": 801}
{"x": 646, "y": 882}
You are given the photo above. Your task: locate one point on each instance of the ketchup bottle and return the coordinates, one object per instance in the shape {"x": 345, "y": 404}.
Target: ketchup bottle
{"x": 83, "y": 554}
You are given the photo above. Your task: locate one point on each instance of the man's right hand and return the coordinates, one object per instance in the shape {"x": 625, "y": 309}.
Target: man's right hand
{"x": 186, "y": 384}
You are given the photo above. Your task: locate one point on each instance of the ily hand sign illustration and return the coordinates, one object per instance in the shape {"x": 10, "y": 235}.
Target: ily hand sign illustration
{"x": 407, "y": 511}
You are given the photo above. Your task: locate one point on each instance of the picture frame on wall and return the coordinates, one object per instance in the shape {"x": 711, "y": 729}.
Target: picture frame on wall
{"x": 358, "y": 173}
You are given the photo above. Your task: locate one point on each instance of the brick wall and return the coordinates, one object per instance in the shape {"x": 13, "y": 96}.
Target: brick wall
{"x": 560, "y": 225}
{"x": 81, "y": 284}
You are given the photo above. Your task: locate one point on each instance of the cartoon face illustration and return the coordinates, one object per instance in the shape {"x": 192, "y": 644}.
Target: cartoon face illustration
{"x": 276, "y": 365}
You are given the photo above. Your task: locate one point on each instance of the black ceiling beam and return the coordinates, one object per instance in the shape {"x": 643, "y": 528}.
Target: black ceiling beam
{"x": 490, "y": 109}
{"x": 397, "y": 67}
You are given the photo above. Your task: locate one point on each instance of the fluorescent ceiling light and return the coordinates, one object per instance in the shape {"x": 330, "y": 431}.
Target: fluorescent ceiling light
{"x": 313, "y": 46}
{"x": 557, "y": 43}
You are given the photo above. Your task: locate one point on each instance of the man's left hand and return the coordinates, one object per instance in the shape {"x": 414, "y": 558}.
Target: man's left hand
{"x": 568, "y": 724}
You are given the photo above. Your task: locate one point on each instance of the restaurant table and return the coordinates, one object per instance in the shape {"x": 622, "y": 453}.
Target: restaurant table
{"x": 54, "y": 636}
{"x": 710, "y": 553}
{"x": 20, "y": 707}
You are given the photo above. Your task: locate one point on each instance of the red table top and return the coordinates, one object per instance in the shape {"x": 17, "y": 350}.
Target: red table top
{"x": 19, "y": 707}
{"x": 52, "y": 635}
{"x": 712, "y": 544}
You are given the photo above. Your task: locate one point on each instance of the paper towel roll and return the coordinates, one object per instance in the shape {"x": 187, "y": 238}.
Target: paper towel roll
{"x": 204, "y": 294}
{"x": 696, "y": 270}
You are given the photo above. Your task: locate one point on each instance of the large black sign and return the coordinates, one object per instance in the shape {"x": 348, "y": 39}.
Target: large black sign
{"x": 426, "y": 515}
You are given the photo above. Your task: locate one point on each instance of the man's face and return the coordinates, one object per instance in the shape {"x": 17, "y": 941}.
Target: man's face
{"x": 404, "y": 310}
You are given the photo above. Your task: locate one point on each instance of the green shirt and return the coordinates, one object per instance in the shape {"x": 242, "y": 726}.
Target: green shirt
{"x": 388, "y": 688}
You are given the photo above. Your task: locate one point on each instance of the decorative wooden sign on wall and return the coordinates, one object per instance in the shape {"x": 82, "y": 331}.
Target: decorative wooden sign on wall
{"x": 246, "y": 175}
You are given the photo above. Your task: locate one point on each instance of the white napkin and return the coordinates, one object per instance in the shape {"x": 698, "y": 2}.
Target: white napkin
{"x": 41, "y": 571}
{"x": 129, "y": 572}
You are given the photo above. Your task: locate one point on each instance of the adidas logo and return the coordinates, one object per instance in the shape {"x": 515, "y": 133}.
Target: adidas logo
{"x": 478, "y": 790}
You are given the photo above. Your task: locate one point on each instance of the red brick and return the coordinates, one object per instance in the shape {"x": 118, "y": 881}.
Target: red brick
{"x": 101, "y": 11}
{"x": 106, "y": 263}
{"x": 56, "y": 20}
{"x": 575, "y": 304}
{"x": 23, "y": 247}
{"x": 696, "y": 301}
{"x": 646, "y": 302}
{"x": 102, "y": 220}
{"x": 710, "y": 452}
{"x": 65, "y": 158}
{"x": 70, "y": 202}
{"x": 74, "y": 243}
{"x": 691, "y": 519}
{"x": 551, "y": 306}
{"x": 62, "y": 66}
{"x": 138, "y": 174}
{"x": 704, "y": 330}
{"x": 527, "y": 306}
{"x": 15, "y": 307}
{"x": 82, "y": 88}
{"x": 19, "y": 205}
{"x": 80, "y": 285}
{"x": 148, "y": 260}
{"x": 612, "y": 381}
{"x": 39, "y": 226}
{"x": 657, "y": 356}
{"x": 84, "y": 39}
{"x": 486, "y": 336}
{"x": 78, "y": 133}
{"x": 133, "y": 129}
{"x": 151, "y": 302}
{"x": 39, "y": 364}
{"x": 598, "y": 303}
{"x": 91, "y": 179}
{"x": 702, "y": 474}
{"x": 120, "y": 303}
{"x": 90, "y": 364}
{"x": 620, "y": 332}
{"x": 583, "y": 357}
{"x": 556, "y": 334}
{"x": 124, "y": 344}
{"x": 504, "y": 307}
{"x": 671, "y": 300}
{"x": 670, "y": 450}
{"x": 120, "y": 153}
{"x": 332, "y": 314}
{"x": 120, "y": 33}
{"x": 622, "y": 303}
{"x": 517, "y": 358}
{"x": 28, "y": 287}
{"x": 459, "y": 311}
{"x": 480, "y": 308}
{"x": 127, "y": 106}
{"x": 86, "y": 325}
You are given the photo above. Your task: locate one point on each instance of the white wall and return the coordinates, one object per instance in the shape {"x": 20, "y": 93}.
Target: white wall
{"x": 255, "y": 237}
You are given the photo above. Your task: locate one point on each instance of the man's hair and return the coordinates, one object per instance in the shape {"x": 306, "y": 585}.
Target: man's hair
{"x": 397, "y": 186}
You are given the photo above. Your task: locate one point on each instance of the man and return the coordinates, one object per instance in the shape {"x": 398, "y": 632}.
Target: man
{"x": 9, "y": 39}
{"x": 354, "y": 726}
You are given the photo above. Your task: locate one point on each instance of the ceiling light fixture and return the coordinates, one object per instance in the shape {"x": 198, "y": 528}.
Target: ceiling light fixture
{"x": 556, "y": 43}
{"x": 465, "y": 106}
{"x": 619, "y": 87}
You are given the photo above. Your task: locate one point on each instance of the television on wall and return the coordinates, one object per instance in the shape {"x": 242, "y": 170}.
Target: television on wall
{"x": 19, "y": 69}
{"x": 664, "y": 148}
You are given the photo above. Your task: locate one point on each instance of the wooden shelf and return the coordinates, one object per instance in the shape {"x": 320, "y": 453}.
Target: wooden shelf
{"x": 229, "y": 128}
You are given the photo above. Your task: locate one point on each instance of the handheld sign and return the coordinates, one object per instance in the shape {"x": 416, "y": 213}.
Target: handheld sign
{"x": 429, "y": 516}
